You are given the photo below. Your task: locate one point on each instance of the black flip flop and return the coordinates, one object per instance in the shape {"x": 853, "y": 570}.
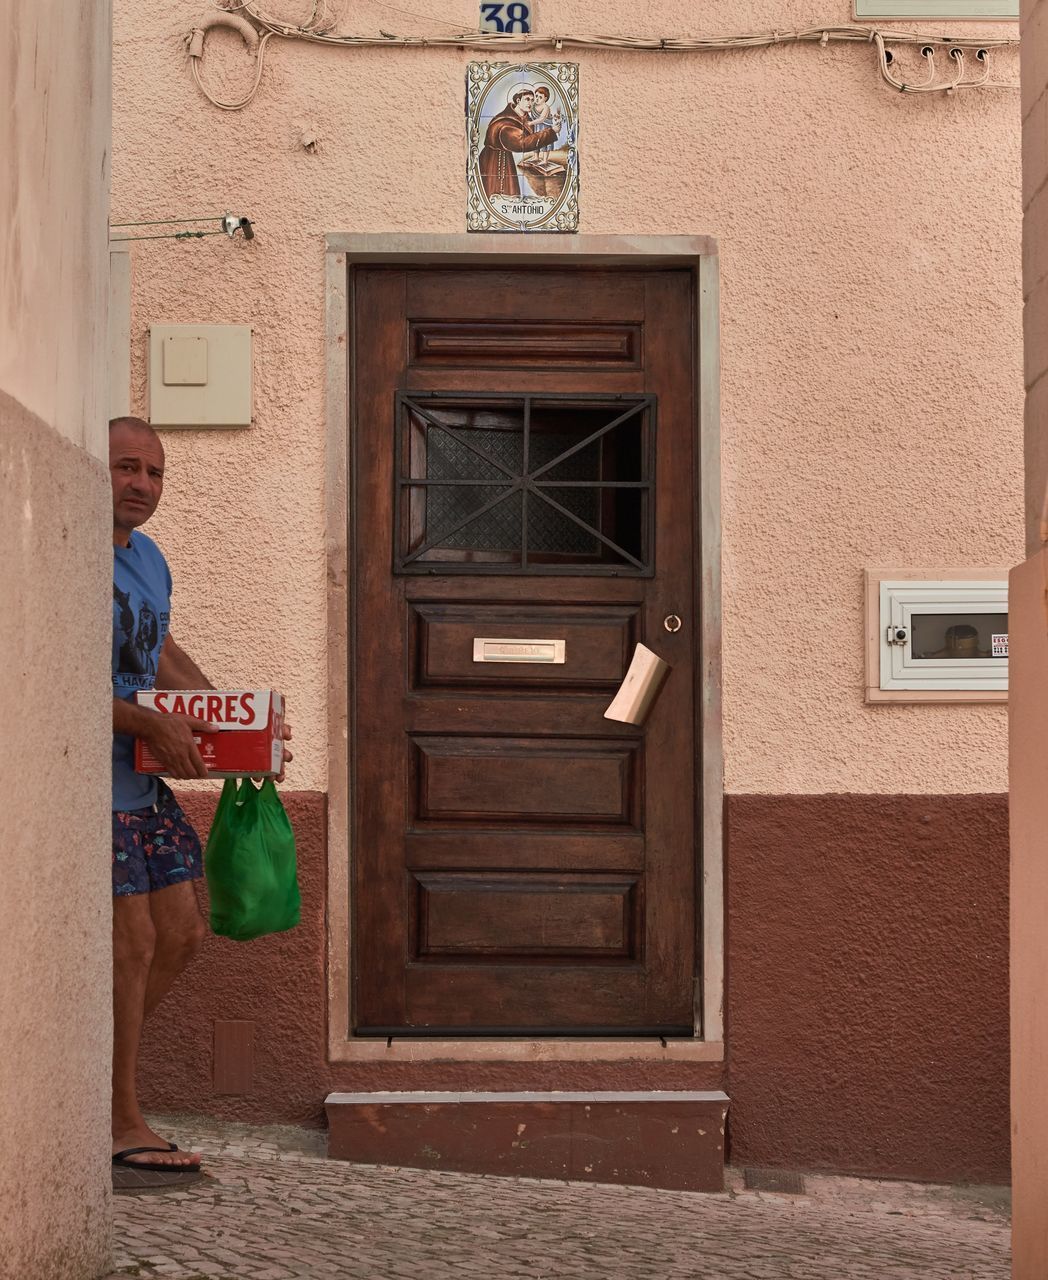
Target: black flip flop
{"x": 127, "y": 1180}
{"x": 121, "y": 1160}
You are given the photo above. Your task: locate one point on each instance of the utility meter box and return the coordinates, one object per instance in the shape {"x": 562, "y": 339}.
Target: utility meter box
{"x": 200, "y": 375}
{"x": 938, "y": 635}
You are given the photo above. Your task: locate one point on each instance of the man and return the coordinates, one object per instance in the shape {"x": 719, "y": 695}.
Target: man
{"x": 157, "y": 925}
{"x": 508, "y": 132}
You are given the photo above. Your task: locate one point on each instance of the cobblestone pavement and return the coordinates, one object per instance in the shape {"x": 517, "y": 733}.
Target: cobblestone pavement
{"x": 274, "y": 1208}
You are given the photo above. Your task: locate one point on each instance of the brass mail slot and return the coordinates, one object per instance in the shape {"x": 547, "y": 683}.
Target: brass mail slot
{"x": 500, "y": 649}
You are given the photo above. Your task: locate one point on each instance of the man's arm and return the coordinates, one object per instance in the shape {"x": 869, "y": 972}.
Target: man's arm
{"x": 170, "y": 737}
{"x": 175, "y": 669}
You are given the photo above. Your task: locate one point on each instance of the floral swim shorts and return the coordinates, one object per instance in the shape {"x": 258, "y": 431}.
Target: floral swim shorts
{"x": 154, "y": 848}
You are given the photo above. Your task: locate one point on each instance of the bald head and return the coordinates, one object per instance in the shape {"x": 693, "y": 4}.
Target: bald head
{"x": 136, "y": 467}
{"x": 129, "y": 423}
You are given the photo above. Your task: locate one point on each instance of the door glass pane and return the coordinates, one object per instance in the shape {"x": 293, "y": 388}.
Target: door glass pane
{"x": 960, "y": 636}
{"x": 617, "y": 453}
{"x": 550, "y": 484}
{"x": 448, "y": 455}
{"x": 607, "y": 526}
{"x": 458, "y": 518}
{"x": 490, "y": 534}
{"x": 552, "y": 532}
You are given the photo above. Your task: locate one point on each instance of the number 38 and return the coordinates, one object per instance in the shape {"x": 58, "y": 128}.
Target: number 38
{"x": 509, "y": 18}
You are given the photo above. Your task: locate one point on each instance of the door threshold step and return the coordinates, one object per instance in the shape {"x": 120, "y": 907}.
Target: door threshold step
{"x": 673, "y": 1139}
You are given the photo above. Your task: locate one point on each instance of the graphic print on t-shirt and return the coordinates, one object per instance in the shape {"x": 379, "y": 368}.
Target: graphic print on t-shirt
{"x": 141, "y": 613}
{"x": 139, "y": 630}
{"x": 140, "y": 637}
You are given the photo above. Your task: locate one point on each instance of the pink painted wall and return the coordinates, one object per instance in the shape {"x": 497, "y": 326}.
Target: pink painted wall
{"x": 872, "y": 381}
{"x": 55, "y": 643}
{"x": 1029, "y": 698}
{"x": 1035, "y": 263}
{"x": 1029, "y": 911}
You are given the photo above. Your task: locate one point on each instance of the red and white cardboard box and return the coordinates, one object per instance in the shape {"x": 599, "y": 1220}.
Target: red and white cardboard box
{"x": 249, "y": 741}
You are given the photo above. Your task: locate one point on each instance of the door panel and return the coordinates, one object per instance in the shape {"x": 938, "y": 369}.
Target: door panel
{"x": 512, "y": 345}
{"x": 522, "y": 518}
{"x": 551, "y": 782}
{"x": 598, "y": 644}
{"x": 506, "y": 916}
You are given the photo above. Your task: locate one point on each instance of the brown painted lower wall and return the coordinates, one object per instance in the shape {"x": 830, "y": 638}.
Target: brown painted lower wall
{"x": 868, "y": 988}
{"x": 867, "y": 996}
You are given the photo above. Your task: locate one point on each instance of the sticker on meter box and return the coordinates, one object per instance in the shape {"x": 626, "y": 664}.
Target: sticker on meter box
{"x": 999, "y": 645}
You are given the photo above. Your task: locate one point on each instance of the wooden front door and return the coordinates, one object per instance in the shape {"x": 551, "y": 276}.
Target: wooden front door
{"x": 523, "y": 462}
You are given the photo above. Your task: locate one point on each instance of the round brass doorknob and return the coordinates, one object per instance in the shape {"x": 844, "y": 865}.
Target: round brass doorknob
{"x": 672, "y": 623}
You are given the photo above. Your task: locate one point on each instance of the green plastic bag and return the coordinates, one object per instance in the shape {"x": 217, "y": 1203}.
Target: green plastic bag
{"x": 250, "y": 863}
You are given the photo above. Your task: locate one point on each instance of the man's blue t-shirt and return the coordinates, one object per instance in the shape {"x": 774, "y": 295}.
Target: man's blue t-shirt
{"x": 141, "y": 610}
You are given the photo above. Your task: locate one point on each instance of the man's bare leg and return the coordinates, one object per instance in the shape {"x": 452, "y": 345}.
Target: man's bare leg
{"x": 155, "y": 935}
{"x": 180, "y": 933}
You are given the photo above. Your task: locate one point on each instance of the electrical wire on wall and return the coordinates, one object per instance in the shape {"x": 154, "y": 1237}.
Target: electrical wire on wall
{"x": 953, "y": 71}
{"x": 229, "y": 224}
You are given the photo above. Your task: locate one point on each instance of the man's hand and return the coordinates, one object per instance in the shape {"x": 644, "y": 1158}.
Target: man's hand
{"x": 170, "y": 738}
{"x": 287, "y": 754}
{"x": 287, "y": 757}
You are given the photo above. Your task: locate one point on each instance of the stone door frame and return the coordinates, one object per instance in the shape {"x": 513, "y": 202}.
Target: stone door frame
{"x": 699, "y": 255}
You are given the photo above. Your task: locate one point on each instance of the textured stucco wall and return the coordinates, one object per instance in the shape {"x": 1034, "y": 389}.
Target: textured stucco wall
{"x": 1029, "y": 696}
{"x": 868, "y": 984}
{"x": 1029, "y": 911}
{"x": 1035, "y": 262}
{"x": 55, "y": 989}
{"x": 55, "y": 573}
{"x": 54, "y": 197}
{"x": 872, "y": 381}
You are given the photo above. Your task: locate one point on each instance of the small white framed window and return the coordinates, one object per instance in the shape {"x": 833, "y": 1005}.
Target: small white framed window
{"x": 936, "y": 636}
{"x": 949, "y": 10}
